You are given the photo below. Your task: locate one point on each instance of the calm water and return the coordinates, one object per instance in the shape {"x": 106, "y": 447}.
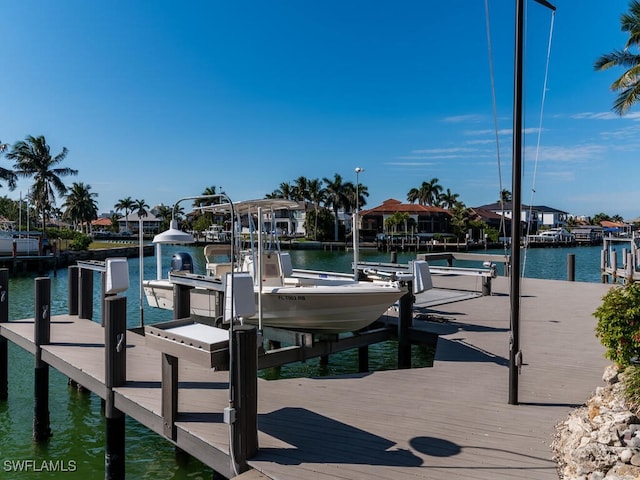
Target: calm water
{"x": 76, "y": 418}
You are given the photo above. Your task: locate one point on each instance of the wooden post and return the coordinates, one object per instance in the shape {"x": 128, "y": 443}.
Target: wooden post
{"x": 571, "y": 267}
{"x": 363, "y": 359}
{"x": 181, "y": 301}
{"x": 169, "y": 394}
{"x": 244, "y": 385}
{"x": 4, "y": 317}
{"x": 405, "y": 320}
{"x": 42, "y": 336}
{"x": 486, "y": 286}
{"x": 115, "y": 341}
{"x": 85, "y": 288}
{"x": 73, "y": 290}
{"x": 604, "y": 277}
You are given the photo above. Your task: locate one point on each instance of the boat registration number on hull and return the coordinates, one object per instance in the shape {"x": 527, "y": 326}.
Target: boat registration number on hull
{"x": 292, "y": 298}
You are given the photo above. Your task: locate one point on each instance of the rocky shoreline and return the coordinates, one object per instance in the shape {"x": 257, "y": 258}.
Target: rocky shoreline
{"x": 601, "y": 439}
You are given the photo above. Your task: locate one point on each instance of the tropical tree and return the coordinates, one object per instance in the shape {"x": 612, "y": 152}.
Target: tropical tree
{"x": 399, "y": 219}
{"x": 628, "y": 84}
{"x": 316, "y": 196}
{"x": 300, "y": 191}
{"x": 427, "y": 194}
{"x": 285, "y": 191}
{"x": 80, "y": 206}
{"x": 505, "y": 196}
{"x": 336, "y": 196}
{"x": 448, "y": 199}
{"x": 140, "y": 207}
{"x": 600, "y": 217}
{"x": 204, "y": 202}
{"x": 7, "y": 175}
{"x": 127, "y": 204}
{"x": 164, "y": 213}
{"x": 33, "y": 158}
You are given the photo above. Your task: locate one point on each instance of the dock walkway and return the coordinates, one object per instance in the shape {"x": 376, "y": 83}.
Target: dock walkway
{"x": 449, "y": 421}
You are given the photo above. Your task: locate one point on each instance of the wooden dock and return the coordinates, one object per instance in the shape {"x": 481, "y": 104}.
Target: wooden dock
{"x": 449, "y": 421}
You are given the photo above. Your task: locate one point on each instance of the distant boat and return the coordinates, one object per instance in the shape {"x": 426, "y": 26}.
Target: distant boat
{"x": 551, "y": 238}
{"x": 18, "y": 244}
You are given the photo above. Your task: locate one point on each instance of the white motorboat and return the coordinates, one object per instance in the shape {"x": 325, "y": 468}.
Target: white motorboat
{"x": 20, "y": 245}
{"x": 312, "y": 301}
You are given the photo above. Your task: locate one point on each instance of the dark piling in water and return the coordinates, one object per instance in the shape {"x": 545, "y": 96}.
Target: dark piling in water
{"x": 42, "y": 336}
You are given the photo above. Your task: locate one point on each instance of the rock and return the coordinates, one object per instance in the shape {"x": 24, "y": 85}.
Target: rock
{"x": 610, "y": 374}
{"x": 600, "y": 440}
{"x": 625, "y": 455}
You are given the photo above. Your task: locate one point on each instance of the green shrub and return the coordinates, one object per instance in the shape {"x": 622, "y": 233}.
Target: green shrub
{"x": 618, "y": 325}
{"x": 80, "y": 241}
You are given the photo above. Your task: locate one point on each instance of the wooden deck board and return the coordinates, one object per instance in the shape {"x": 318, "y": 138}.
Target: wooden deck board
{"x": 449, "y": 421}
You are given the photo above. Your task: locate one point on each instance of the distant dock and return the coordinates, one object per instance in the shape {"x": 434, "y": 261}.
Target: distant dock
{"x": 448, "y": 421}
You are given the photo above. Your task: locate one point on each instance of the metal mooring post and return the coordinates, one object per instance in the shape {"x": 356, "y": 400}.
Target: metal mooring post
{"x": 244, "y": 384}
{"x": 4, "y": 317}
{"x": 72, "y": 289}
{"x": 42, "y": 336}
{"x": 405, "y": 320}
{"x": 115, "y": 342}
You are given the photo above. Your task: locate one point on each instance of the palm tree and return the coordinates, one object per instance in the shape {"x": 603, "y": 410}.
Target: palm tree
{"x": 80, "y": 205}
{"x": 413, "y": 195}
{"x": 127, "y": 205}
{"x": 429, "y": 192}
{"x": 316, "y": 195}
{"x": 8, "y": 175}
{"x": 203, "y": 202}
{"x": 505, "y": 196}
{"x": 140, "y": 207}
{"x": 628, "y": 84}
{"x": 33, "y": 159}
{"x": 165, "y": 212}
{"x": 448, "y": 199}
{"x": 285, "y": 191}
{"x": 336, "y": 197}
{"x": 301, "y": 189}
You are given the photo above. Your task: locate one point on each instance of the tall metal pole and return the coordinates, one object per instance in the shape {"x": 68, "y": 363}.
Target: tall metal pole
{"x": 355, "y": 235}
{"x": 515, "y": 355}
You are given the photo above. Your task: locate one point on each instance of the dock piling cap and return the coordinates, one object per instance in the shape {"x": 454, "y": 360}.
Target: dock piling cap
{"x": 116, "y": 275}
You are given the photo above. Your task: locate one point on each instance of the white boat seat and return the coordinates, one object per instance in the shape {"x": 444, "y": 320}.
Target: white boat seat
{"x": 217, "y": 250}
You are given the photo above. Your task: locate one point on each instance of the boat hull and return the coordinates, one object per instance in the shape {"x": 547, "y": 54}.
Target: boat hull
{"x": 318, "y": 309}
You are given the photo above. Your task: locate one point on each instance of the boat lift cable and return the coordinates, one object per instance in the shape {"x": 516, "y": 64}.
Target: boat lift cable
{"x": 503, "y": 229}
{"x": 537, "y": 154}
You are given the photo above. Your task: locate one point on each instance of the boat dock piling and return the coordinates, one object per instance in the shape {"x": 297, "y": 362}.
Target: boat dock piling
{"x": 610, "y": 267}
{"x": 42, "y": 336}
{"x": 4, "y": 317}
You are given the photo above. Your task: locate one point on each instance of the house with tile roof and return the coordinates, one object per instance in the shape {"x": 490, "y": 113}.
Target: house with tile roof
{"x": 428, "y": 219}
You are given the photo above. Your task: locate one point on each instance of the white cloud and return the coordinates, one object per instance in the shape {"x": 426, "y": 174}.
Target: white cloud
{"x": 605, "y": 116}
{"x": 473, "y": 118}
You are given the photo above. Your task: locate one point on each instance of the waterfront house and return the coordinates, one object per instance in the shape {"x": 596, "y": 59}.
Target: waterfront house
{"x": 428, "y": 219}
{"x": 532, "y": 217}
{"x": 130, "y": 223}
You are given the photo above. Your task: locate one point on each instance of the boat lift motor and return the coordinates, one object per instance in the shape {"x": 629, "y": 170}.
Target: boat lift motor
{"x": 181, "y": 262}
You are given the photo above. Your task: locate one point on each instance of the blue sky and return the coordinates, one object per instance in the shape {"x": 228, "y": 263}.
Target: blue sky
{"x": 158, "y": 100}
